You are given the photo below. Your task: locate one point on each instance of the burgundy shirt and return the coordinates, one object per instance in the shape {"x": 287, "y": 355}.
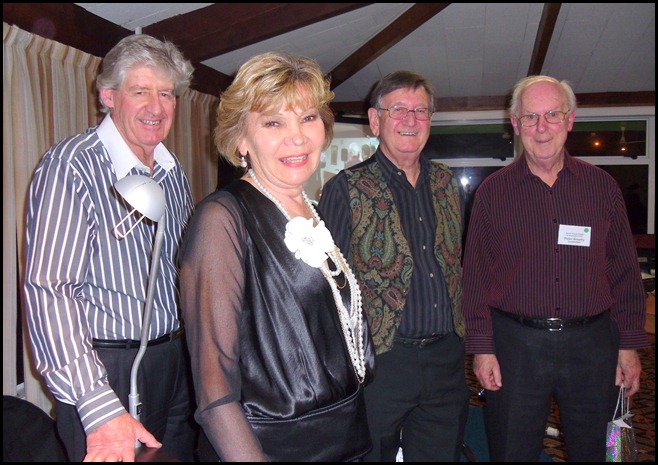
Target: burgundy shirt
{"x": 513, "y": 260}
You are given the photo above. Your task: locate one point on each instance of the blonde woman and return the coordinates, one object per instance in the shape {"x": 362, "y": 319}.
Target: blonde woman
{"x": 279, "y": 346}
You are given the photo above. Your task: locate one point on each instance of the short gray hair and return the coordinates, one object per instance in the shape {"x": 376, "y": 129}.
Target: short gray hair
{"x": 401, "y": 80}
{"x": 526, "y": 82}
{"x": 143, "y": 50}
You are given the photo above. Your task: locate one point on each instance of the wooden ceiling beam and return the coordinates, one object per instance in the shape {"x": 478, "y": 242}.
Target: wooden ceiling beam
{"x": 544, "y": 35}
{"x": 404, "y": 25}
{"x": 224, "y": 27}
{"x": 72, "y": 25}
{"x": 66, "y": 23}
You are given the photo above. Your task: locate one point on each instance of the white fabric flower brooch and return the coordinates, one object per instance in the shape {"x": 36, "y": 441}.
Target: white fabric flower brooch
{"x": 308, "y": 243}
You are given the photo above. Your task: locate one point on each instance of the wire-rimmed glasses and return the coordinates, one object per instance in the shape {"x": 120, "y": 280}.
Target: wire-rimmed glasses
{"x": 552, "y": 117}
{"x": 397, "y": 112}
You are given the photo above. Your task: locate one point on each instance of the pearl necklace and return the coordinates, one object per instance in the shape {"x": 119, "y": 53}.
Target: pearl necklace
{"x": 351, "y": 321}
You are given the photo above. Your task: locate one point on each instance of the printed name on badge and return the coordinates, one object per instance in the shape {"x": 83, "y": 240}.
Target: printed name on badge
{"x": 574, "y": 235}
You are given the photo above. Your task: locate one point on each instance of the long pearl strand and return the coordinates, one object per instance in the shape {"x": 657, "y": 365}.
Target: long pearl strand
{"x": 351, "y": 321}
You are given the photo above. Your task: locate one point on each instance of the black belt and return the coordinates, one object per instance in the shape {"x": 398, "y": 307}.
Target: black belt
{"x": 551, "y": 324}
{"x": 421, "y": 341}
{"x": 132, "y": 344}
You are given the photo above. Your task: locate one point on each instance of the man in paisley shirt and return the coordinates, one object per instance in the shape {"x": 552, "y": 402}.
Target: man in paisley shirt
{"x": 398, "y": 216}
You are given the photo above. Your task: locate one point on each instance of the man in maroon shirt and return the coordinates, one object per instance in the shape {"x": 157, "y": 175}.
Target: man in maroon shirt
{"x": 553, "y": 298}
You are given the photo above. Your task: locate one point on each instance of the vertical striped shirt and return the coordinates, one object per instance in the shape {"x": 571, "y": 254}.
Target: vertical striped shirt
{"x": 81, "y": 282}
{"x": 513, "y": 259}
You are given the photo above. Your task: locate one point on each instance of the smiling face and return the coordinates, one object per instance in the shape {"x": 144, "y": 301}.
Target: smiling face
{"x": 142, "y": 109}
{"x": 284, "y": 147}
{"x": 543, "y": 143}
{"x": 401, "y": 140}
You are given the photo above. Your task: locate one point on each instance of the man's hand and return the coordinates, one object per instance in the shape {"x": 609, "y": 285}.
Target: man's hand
{"x": 629, "y": 369}
{"x": 115, "y": 440}
{"x": 487, "y": 370}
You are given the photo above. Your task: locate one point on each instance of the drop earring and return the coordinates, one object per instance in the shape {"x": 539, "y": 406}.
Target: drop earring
{"x": 243, "y": 161}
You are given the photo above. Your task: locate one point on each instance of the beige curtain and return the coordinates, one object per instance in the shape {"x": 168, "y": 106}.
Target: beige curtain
{"x": 190, "y": 139}
{"x": 48, "y": 94}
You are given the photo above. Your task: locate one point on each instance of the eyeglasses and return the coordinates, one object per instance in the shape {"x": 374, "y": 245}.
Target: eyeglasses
{"x": 553, "y": 117}
{"x": 421, "y": 114}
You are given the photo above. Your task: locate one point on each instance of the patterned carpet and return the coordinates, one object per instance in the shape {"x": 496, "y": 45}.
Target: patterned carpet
{"x": 643, "y": 406}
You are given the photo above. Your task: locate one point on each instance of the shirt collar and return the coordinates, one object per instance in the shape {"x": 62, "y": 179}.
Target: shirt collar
{"x": 390, "y": 171}
{"x": 522, "y": 171}
{"x": 123, "y": 158}
{"x": 571, "y": 164}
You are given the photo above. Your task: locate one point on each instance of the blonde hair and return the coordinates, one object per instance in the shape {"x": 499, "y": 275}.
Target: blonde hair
{"x": 268, "y": 81}
{"x": 524, "y": 83}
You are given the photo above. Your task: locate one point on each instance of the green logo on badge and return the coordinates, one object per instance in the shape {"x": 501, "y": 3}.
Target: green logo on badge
{"x": 586, "y": 229}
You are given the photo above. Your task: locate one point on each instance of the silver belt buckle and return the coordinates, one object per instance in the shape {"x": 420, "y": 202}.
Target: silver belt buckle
{"x": 423, "y": 342}
{"x": 551, "y": 321}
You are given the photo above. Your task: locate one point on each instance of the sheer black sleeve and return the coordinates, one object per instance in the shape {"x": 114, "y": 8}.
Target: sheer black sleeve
{"x": 212, "y": 284}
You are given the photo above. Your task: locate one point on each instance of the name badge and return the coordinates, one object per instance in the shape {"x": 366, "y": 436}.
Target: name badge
{"x": 574, "y": 235}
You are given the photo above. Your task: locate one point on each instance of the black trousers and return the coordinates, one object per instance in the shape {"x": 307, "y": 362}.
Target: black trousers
{"x": 575, "y": 366}
{"x": 165, "y": 392}
{"x": 421, "y": 393}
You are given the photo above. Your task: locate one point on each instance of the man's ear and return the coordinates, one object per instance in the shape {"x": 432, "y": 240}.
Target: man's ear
{"x": 107, "y": 97}
{"x": 515, "y": 125}
{"x": 571, "y": 117}
{"x": 373, "y": 117}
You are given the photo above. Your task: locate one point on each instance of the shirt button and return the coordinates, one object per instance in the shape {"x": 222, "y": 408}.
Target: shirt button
{"x": 431, "y": 275}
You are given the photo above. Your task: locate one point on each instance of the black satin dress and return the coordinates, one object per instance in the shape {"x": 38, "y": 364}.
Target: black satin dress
{"x": 297, "y": 386}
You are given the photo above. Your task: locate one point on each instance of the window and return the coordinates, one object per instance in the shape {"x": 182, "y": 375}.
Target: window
{"x": 613, "y": 139}
{"x": 618, "y": 138}
{"x": 474, "y": 149}
{"x": 470, "y": 141}
{"x": 476, "y": 144}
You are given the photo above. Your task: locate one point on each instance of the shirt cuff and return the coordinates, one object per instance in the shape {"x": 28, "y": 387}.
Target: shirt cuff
{"x": 99, "y": 407}
{"x": 632, "y": 340}
{"x": 480, "y": 345}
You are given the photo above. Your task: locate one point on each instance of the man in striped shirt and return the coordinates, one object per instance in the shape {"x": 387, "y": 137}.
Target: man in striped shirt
{"x": 85, "y": 288}
{"x": 553, "y": 299}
